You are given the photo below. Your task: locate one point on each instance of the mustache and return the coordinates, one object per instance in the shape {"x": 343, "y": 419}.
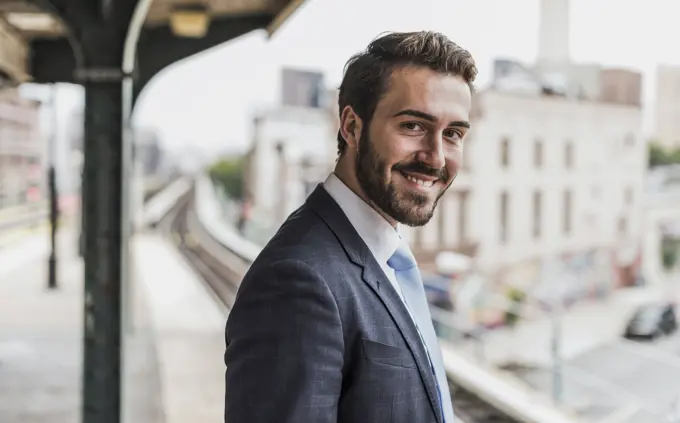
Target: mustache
{"x": 422, "y": 168}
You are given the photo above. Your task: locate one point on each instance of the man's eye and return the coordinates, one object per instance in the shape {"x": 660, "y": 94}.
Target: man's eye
{"x": 453, "y": 134}
{"x": 412, "y": 126}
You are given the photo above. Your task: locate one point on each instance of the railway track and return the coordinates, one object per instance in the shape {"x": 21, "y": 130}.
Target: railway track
{"x": 222, "y": 270}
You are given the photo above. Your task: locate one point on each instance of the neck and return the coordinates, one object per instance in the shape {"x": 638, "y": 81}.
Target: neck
{"x": 346, "y": 172}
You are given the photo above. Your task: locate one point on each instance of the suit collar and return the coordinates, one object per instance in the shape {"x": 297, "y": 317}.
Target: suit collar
{"x": 376, "y": 232}
{"x": 323, "y": 205}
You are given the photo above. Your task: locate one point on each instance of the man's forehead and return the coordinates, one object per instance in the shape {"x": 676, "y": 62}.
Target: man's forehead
{"x": 434, "y": 93}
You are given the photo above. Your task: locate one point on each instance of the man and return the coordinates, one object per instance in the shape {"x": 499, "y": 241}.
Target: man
{"x": 331, "y": 323}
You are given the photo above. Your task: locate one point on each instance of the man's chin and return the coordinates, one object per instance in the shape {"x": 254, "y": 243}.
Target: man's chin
{"x": 414, "y": 216}
{"x": 419, "y": 200}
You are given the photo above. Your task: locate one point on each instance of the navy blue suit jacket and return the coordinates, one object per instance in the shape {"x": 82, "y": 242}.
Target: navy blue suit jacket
{"x": 318, "y": 334}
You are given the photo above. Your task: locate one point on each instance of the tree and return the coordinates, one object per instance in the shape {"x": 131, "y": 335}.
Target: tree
{"x": 516, "y": 298}
{"x": 669, "y": 252}
{"x": 229, "y": 174}
{"x": 660, "y": 156}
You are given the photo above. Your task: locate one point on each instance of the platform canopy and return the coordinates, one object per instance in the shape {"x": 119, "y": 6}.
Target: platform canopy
{"x": 42, "y": 40}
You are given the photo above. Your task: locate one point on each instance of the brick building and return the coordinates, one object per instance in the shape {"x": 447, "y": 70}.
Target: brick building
{"x": 22, "y": 150}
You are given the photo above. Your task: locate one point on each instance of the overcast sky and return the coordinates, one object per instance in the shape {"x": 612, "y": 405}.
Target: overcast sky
{"x": 207, "y": 100}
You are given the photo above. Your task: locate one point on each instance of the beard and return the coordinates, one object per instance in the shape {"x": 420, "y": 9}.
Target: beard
{"x": 408, "y": 207}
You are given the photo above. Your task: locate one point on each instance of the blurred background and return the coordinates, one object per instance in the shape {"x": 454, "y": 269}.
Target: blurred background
{"x": 138, "y": 183}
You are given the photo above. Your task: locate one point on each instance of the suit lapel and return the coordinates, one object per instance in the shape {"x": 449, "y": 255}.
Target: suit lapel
{"x": 330, "y": 212}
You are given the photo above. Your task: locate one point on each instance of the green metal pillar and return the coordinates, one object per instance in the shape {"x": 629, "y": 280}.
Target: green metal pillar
{"x": 103, "y": 207}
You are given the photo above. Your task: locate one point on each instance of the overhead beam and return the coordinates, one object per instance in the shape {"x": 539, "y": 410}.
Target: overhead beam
{"x": 159, "y": 47}
{"x": 291, "y": 7}
{"x": 13, "y": 54}
{"x": 53, "y": 60}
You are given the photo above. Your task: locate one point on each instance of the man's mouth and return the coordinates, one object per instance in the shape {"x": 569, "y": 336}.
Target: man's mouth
{"x": 425, "y": 181}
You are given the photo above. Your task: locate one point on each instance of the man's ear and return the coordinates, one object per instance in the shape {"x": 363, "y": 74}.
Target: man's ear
{"x": 350, "y": 127}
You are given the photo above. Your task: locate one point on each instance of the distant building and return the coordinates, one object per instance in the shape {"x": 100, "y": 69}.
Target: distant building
{"x": 621, "y": 86}
{"x": 584, "y": 81}
{"x": 290, "y": 155}
{"x": 557, "y": 73}
{"x": 553, "y": 39}
{"x": 294, "y": 146}
{"x": 22, "y": 150}
{"x": 302, "y": 89}
{"x": 668, "y": 106}
{"x": 147, "y": 151}
{"x": 512, "y": 76}
{"x": 334, "y": 116}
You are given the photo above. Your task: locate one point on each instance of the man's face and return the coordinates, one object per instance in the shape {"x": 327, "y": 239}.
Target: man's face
{"x": 410, "y": 152}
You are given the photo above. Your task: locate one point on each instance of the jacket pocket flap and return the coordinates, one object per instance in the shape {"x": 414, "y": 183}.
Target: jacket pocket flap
{"x": 387, "y": 354}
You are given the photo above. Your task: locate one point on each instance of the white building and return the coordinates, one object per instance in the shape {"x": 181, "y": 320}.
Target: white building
{"x": 668, "y": 106}
{"x": 546, "y": 178}
{"x": 290, "y": 155}
{"x": 22, "y": 150}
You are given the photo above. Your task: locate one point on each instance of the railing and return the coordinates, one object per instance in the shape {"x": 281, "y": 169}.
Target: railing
{"x": 160, "y": 204}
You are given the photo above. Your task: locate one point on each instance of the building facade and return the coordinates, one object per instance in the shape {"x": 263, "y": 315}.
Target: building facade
{"x": 621, "y": 86}
{"x": 545, "y": 180}
{"x": 22, "y": 150}
{"x": 289, "y": 156}
{"x": 668, "y": 106}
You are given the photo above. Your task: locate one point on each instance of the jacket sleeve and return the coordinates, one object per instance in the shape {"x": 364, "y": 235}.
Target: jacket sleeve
{"x": 284, "y": 353}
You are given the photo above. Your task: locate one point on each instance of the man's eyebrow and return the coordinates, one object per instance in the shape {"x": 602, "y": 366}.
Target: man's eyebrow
{"x": 430, "y": 118}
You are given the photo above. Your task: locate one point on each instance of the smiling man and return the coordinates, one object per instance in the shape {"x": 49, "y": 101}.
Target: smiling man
{"x": 331, "y": 322}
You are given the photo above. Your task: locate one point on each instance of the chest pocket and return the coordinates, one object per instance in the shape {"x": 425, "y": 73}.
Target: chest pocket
{"x": 390, "y": 355}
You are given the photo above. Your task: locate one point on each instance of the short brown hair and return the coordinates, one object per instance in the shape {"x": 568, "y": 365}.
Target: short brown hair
{"x": 367, "y": 73}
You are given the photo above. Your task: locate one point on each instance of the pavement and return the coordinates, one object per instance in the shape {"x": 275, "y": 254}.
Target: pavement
{"x": 188, "y": 327}
{"x": 605, "y": 378}
{"x": 9, "y": 213}
{"x": 41, "y": 336}
{"x": 583, "y": 327}
{"x": 8, "y": 237}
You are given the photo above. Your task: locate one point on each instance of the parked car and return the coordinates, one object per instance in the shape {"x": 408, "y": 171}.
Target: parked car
{"x": 651, "y": 321}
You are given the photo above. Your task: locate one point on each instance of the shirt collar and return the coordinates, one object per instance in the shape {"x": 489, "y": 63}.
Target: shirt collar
{"x": 380, "y": 237}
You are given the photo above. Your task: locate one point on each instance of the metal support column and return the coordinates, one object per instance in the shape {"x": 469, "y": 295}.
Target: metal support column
{"x": 103, "y": 207}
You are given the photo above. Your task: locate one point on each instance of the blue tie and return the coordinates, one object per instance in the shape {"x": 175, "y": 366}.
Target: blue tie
{"x": 408, "y": 276}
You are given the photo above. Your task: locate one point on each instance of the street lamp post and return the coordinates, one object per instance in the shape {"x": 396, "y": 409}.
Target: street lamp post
{"x": 52, "y": 183}
{"x": 557, "y": 356}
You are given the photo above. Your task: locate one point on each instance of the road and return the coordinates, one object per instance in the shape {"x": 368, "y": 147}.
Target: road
{"x": 637, "y": 381}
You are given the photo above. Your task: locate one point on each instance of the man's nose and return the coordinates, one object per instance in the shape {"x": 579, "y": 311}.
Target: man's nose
{"x": 433, "y": 152}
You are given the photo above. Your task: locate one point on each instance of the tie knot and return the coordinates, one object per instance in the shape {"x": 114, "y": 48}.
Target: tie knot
{"x": 402, "y": 259}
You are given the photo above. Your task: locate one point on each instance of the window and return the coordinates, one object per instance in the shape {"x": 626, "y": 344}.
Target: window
{"x": 622, "y": 226}
{"x": 537, "y": 208}
{"x": 628, "y": 196}
{"x": 503, "y": 226}
{"x": 569, "y": 155}
{"x": 462, "y": 216}
{"x": 538, "y": 153}
{"x": 442, "y": 211}
{"x": 567, "y": 212}
{"x": 629, "y": 140}
{"x": 505, "y": 152}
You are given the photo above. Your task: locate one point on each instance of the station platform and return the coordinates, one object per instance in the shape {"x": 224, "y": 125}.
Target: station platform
{"x": 188, "y": 328}
{"x": 173, "y": 367}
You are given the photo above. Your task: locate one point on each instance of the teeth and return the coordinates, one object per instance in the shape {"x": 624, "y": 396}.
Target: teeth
{"x": 420, "y": 182}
